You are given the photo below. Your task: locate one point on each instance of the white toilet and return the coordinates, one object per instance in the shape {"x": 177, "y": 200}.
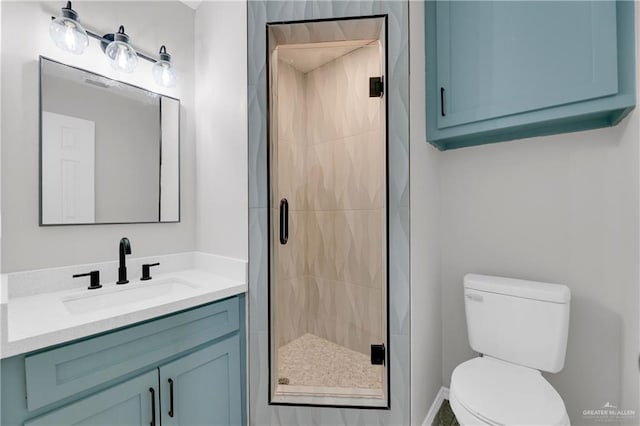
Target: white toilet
{"x": 520, "y": 328}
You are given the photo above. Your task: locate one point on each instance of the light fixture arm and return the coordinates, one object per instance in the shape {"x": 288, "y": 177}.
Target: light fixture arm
{"x": 108, "y": 38}
{"x": 68, "y": 12}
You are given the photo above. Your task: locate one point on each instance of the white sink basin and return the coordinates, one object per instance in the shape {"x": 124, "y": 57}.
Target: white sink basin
{"x": 134, "y": 292}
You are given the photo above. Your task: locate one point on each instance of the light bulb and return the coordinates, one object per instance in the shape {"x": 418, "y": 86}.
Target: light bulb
{"x": 122, "y": 56}
{"x": 163, "y": 74}
{"x": 162, "y": 70}
{"x": 67, "y": 33}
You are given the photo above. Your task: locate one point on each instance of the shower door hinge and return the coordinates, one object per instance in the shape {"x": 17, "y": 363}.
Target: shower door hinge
{"x": 378, "y": 354}
{"x": 376, "y": 87}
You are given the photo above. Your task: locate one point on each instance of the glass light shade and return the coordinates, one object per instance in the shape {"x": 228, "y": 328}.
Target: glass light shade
{"x": 68, "y": 35}
{"x": 121, "y": 56}
{"x": 164, "y": 74}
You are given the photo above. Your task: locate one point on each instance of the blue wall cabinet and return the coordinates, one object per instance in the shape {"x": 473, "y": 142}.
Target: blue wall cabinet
{"x": 131, "y": 403}
{"x": 501, "y": 70}
{"x": 203, "y": 388}
{"x": 123, "y": 377}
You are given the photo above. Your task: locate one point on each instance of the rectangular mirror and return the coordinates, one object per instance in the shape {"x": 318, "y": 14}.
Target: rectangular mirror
{"x": 109, "y": 151}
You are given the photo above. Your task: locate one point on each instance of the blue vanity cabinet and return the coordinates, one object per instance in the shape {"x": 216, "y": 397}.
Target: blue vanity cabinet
{"x": 132, "y": 403}
{"x": 203, "y": 388}
{"x": 122, "y": 377}
{"x": 502, "y": 70}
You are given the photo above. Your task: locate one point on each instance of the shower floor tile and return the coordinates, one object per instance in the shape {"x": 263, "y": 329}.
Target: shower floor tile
{"x": 313, "y": 361}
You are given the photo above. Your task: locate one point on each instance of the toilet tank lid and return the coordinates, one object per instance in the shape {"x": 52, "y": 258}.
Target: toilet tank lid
{"x": 556, "y": 293}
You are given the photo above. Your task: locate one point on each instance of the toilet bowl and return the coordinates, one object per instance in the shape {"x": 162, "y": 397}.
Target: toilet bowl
{"x": 487, "y": 391}
{"x": 520, "y": 328}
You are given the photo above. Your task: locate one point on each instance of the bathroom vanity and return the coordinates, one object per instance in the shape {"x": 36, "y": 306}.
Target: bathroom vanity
{"x": 125, "y": 363}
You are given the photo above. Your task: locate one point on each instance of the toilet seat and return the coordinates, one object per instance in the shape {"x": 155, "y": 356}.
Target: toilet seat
{"x": 489, "y": 391}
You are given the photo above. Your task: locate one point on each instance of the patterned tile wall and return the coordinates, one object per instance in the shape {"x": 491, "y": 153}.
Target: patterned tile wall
{"x": 329, "y": 162}
{"x": 289, "y": 166}
{"x": 346, "y": 201}
{"x": 260, "y": 412}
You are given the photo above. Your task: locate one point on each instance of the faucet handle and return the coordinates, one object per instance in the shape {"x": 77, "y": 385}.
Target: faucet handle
{"x": 146, "y": 270}
{"x": 95, "y": 279}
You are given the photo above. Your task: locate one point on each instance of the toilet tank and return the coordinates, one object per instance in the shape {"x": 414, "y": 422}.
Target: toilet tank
{"x": 522, "y": 322}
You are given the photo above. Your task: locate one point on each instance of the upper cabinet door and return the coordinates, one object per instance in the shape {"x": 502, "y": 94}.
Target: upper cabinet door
{"x": 203, "y": 388}
{"x": 498, "y": 58}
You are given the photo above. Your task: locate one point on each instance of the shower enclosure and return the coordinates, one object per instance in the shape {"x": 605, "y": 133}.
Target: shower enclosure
{"x": 328, "y": 278}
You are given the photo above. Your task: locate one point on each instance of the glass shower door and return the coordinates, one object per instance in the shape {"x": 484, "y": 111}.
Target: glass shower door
{"x": 328, "y": 214}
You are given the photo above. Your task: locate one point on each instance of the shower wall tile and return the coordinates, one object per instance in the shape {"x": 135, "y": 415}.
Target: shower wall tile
{"x": 290, "y": 309}
{"x": 321, "y": 177}
{"x": 256, "y": 44}
{"x": 398, "y": 99}
{"x": 289, "y": 10}
{"x": 291, "y": 173}
{"x": 258, "y": 269}
{"x": 257, "y": 151}
{"x": 359, "y": 170}
{"x": 328, "y": 9}
{"x": 335, "y": 115}
{"x": 259, "y": 412}
{"x": 399, "y": 268}
{"x": 289, "y": 259}
{"x": 291, "y": 104}
{"x": 347, "y": 173}
{"x": 359, "y": 318}
{"x": 358, "y": 247}
{"x": 399, "y": 361}
{"x": 346, "y": 199}
{"x": 321, "y": 302}
{"x": 320, "y": 250}
{"x": 347, "y": 314}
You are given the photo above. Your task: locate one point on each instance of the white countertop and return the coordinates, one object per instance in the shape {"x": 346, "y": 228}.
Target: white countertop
{"x": 37, "y": 321}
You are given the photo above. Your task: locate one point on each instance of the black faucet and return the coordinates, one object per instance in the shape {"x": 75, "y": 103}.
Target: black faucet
{"x": 95, "y": 279}
{"x": 125, "y": 248}
{"x": 146, "y": 271}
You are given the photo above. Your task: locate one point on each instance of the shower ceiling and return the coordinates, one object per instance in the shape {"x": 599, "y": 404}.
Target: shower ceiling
{"x": 306, "y": 57}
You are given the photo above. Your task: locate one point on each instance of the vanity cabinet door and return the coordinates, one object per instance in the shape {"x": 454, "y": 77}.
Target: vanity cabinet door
{"x": 203, "y": 388}
{"x": 130, "y": 403}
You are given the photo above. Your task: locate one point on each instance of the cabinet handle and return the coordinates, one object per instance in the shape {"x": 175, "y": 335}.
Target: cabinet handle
{"x": 442, "y": 102}
{"x": 284, "y": 221}
{"x": 170, "y": 397}
{"x": 153, "y": 406}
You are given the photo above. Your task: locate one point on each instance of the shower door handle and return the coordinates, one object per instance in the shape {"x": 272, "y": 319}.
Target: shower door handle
{"x": 284, "y": 221}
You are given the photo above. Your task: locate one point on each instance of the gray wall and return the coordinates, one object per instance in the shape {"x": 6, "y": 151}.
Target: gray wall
{"x": 426, "y": 308}
{"x": 127, "y": 147}
{"x": 25, "y": 245}
{"x": 221, "y": 128}
{"x": 558, "y": 209}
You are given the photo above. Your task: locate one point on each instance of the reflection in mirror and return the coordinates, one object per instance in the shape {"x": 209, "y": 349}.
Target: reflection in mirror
{"x": 110, "y": 151}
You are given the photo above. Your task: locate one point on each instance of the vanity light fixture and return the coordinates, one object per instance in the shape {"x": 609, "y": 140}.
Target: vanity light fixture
{"x": 122, "y": 56}
{"x": 163, "y": 72}
{"x": 67, "y": 33}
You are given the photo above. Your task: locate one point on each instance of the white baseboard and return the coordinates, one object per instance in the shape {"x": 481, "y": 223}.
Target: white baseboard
{"x": 443, "y": 394}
